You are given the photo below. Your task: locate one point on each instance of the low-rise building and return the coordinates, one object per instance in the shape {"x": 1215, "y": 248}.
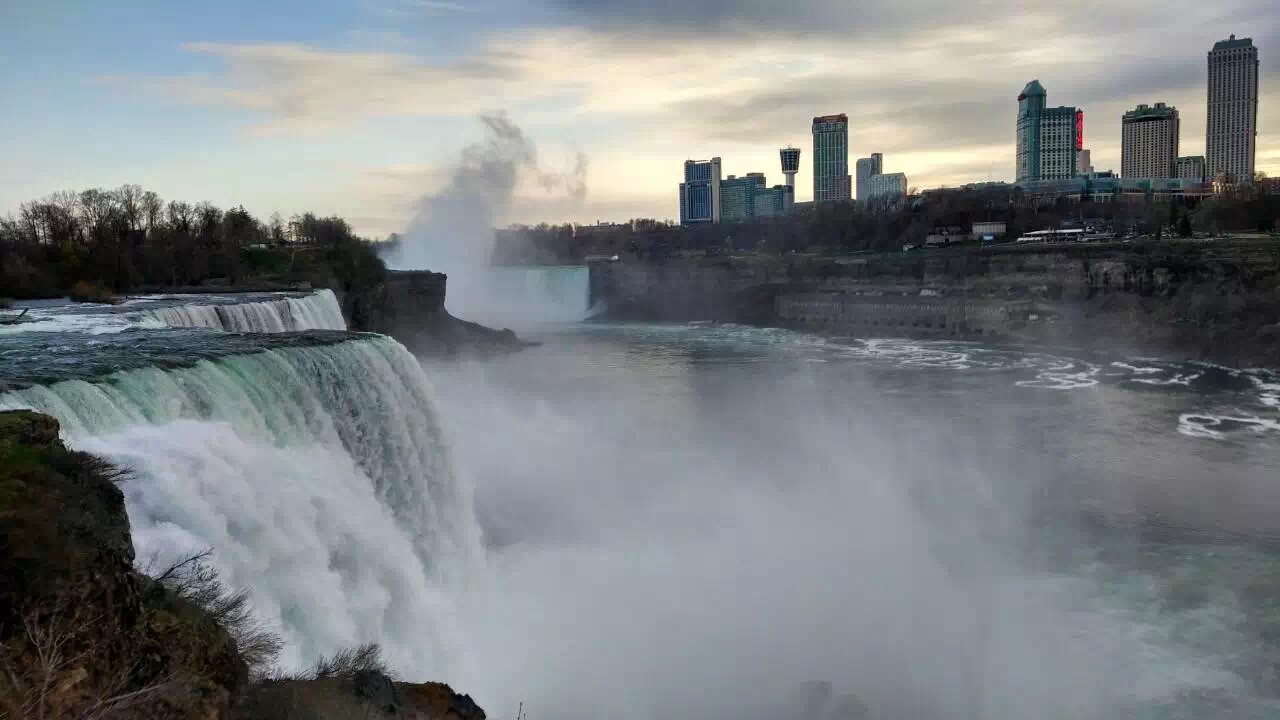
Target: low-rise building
{"x": 1190, "y": 167}
{"x": 944, "y": 236}
{"x": 988, "y": 231}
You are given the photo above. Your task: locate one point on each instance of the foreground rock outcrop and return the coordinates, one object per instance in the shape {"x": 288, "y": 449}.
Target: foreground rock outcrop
{"x": 83, "y": 634}
{"x": 364, "y": 694}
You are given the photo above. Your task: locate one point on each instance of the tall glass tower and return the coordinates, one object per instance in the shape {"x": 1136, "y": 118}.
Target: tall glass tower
{"x": 831, "y": 159}
{"x": 1231, "y": 134}
{"x": 1031, "y": 103}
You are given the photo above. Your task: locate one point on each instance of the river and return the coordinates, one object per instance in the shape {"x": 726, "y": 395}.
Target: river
{"x": 707, "y": 521}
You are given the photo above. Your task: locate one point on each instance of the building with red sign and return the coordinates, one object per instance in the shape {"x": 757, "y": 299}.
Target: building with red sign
{"x": 1048, "y": 139}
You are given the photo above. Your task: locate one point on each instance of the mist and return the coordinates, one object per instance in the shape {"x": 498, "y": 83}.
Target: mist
{"x": 453, "y": 231}
{"x": 710, "y": 545}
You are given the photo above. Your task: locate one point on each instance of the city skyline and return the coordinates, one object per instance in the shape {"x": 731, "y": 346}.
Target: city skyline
{"x": 360, "y": 108}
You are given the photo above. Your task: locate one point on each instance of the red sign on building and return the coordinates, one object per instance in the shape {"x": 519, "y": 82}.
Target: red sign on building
{"x": 1079, "y": 129}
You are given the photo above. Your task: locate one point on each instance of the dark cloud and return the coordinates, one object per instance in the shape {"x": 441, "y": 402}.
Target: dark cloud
{"x": 845, "y": 18}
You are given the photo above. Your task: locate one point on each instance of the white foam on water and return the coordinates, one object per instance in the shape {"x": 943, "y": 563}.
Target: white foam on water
{"x": 1217, "y": 427}
{"x": 1137, "y": 370}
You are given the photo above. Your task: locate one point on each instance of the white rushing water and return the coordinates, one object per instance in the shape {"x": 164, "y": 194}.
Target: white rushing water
{"x": 318, "y": 311}
{"x": 262, "y": 314}
{"x": 319, "y": 477}
{"x": 521, "y": 297}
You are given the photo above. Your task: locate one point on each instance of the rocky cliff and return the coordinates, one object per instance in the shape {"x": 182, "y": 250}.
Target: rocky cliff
{"x": 409, "y": 306}
{"x": 1212, "y": 300}
{"x": 84, "y": 634}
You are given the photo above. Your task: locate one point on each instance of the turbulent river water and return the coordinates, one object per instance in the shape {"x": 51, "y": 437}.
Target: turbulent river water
{"x": 704, "y": 521}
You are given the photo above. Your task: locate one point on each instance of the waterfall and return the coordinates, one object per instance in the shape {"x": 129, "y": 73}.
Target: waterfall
{"x": 522, "y": 297}
{"x": 318, "y": 475}
{"x": 318, "y": 311}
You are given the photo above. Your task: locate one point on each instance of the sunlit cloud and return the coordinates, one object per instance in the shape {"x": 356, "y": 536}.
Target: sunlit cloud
{"x": 932, "y": 86}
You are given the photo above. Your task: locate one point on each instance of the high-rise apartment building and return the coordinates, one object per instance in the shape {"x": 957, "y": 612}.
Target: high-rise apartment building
{"x": 790, "y": 164}
{"x": 1231, "y": 133}
{"x": 774, "y": 201}
{"x": 1149, "y": 142}
{"x": 700, "y": 192}
{"x": 1047, "y": 138}
{"x": 866, "y": 167}
{"x": 1190, "y": 167}
{"x": 831, "y": 158}
{"x": 738, "y": 195}
{"x": 887, "y": 185}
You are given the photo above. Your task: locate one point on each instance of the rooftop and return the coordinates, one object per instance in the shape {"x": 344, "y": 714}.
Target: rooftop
{"x": 1033, "y": 88}
{"x": 1232, "y": 43}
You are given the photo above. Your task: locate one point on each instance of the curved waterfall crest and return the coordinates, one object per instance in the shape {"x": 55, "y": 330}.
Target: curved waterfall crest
{"x": 317, "y": 311}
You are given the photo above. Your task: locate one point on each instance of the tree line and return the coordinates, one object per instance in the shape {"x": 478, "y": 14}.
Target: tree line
{"x": 887, "y": 225}
{"x": 128, "y": 238}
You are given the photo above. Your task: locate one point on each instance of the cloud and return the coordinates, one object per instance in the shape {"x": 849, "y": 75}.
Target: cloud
{"x": 934, "y": 91}
{"x": 297, "y": 87}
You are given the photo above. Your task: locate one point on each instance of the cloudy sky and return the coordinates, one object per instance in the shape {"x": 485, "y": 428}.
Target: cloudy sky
{"x": 359, "y": 107}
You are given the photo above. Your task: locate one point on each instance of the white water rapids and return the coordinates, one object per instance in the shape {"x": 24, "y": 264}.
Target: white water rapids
{"x": 318, "y": 311}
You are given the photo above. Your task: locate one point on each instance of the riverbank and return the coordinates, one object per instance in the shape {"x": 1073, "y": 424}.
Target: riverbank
{"x": 1216, "y": 301}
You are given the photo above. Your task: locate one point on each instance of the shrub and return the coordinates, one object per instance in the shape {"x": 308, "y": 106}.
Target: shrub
{"x": 194, "y": 580}
{"x": 347, "y": 663}
{"x": 89, "y": 292}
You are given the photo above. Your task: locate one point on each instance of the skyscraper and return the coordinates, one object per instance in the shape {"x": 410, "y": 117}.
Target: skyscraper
{"x": 1231, "y": 133}
{"x": 790, "y": 164}
{"x": 831, "y": 158}
{"x": 700, "y": 192}
{"x": 1048, "y": 138}
{"x": 1149, "y": 142}
{"x": 866, "y": 168}
{"x": 1031, "y": 104}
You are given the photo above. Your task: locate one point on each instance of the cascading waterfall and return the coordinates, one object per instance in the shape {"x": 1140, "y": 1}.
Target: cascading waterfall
{"x": 318, "y": 475}
{"x": 522, "y": 297}
{"x": 318, "y": 311}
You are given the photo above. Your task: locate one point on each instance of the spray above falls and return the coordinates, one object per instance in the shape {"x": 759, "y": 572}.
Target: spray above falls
{"x": 453, "y": 233}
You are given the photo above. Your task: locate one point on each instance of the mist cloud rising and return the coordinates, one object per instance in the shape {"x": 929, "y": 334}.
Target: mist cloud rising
{"x": 704, "y": 548}
{"x": 453, "y": 230}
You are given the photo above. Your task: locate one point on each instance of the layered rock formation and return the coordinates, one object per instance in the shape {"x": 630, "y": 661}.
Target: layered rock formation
{"x": 1213, "y": 300}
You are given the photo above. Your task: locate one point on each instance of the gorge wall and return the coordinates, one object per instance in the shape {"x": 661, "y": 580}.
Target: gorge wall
{"x": 1216, "y": 301}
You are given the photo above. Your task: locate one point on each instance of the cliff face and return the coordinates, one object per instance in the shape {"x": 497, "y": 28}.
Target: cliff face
{"x": 81, "y": 633}
{"x": 1204, "y": 300}
{"x": 409, "y": 307}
